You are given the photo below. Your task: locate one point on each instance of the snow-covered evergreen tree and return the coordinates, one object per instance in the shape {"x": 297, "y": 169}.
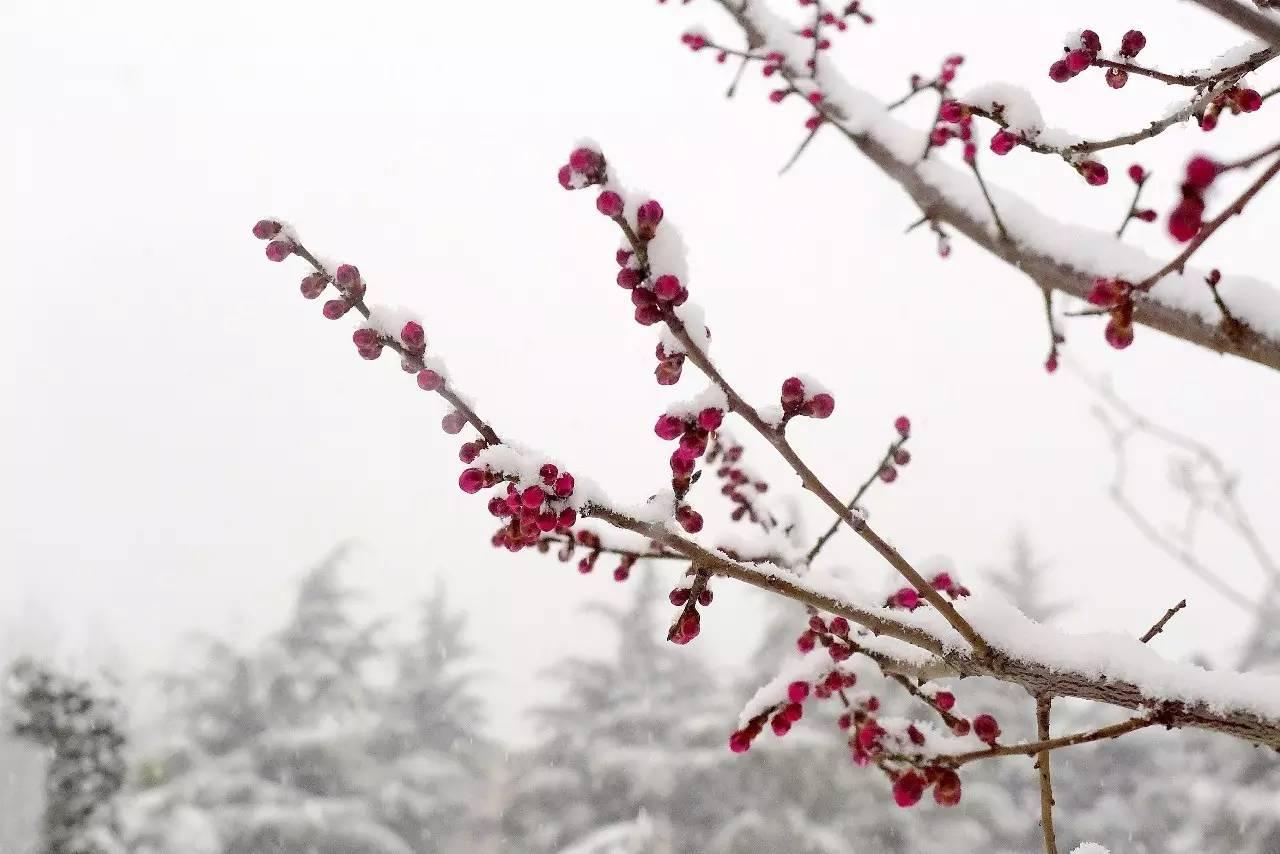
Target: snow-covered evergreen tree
{"x": 82, "y": 732}
{"x": 279, "y": 759}
{"x": 643, "y": 729}
{"x": 429, "y": 736}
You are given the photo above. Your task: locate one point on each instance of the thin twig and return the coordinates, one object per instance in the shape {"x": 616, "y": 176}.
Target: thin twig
{"x": 1046, "y": 779}
{"x": 1133, "y": 208}
{"x": 857, "y": 496}
{"x": 1032, "y": 748}
{"x": 1160, "y": 624}
{"x": 1004, "y": 235}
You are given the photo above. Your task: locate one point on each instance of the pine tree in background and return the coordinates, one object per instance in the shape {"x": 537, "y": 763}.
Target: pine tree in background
{"x": 640, "y": 730}
{"x": 86, "y": 768}
{"x": 429, "y": 736}
{"x": 282, "y": 763}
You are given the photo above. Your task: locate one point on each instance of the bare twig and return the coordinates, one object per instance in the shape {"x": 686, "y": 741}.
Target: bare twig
{"x": 1042, "y": 745}
{"x": 1249, "y": 20}
{"x": 857, "y": 496}
{"x": 1046, "y": 778}
{"x": 991, "y": 205}
{"x": 1160, "y": 624}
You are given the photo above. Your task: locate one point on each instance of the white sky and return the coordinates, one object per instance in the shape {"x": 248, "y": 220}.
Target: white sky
{"x": 181, "y": 433}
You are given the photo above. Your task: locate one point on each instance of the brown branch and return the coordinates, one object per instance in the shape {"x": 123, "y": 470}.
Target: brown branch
{"x": 1207, "y": 230}
{"x": 358, "y": 303}
{"x": 1046, "y": 779}
{"x": 1044, "y": 745}
{"x": 1160, "y": 624}
{"x": 811, "y": 482}
{"x": 1032, "y": 676}
{"x": 1249, "y": 20}
{"x": 1143, "y": 71}
{"x": 1042, "y": 269}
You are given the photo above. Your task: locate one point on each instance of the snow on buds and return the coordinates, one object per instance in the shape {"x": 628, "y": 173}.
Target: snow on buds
{"x": 801, "y": 397}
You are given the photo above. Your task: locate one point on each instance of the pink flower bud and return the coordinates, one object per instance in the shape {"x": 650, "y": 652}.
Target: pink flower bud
{"x": 471, "y": 480}
{"x": 839, "y": 626}
{"x": 1094, "y": 172}
{"x": 649, "y": 214}
{"x": 986, "y": 728}
{"x": 585, "y": 160}
{"x": 1137, "y": 174}
{"x": 1003, "y": 142}
{"x": 609, "y": 203}
{"x": 1078, "y": 60}
{"x": 689, "y": 519}
{"x": 1132, "y": 42}
{"x": 548, "y": 473}
{"x": 647, "y": 315}
{"x": 265, "y": 229}
{"x": 365, "y": 338}
{"x": 901, "y": 457}
{"x": 1118, "y": 335}
{"x": 710, "y": 418}
{"x": 903, "y": 425}
{"x": 413, "y": 336}
{"x": 565, "y": 177}
{"x": 951, "y": 111}
{"x": 946, "y": 791}
{"x": 278, "y": 250}
{"x": 1248, "y": 100}
{"x": 453, "y": 423}
{"x": 668, "y": 427}
{"x": 907, "y": 598}
{"x": 1116, "y": 77}
{"x": 313, "y": 285}
{"x": 532, "y": 497}
{"x": 944, "y": 700}
{"x": 429, "y": 380}
{"x": 335, "y": 308}
{"x": 820, "y": 406}
{"x": 1059, "y": 72}
{"x": 888, "y": 474}
{"x": 797, "y": 691}
{"x": 908, "y": 789}
{"x": 781, "y": 725}
{"x": 564, "y": 485}
{"x": 792, "y": 392}
{"x": 568, "y": 518}
{"x": 666, "y": 287}
{"x": 346, "y": 275}
{"x": 739, "y": 742}
{"x": 805, "y": 642}
{"x": 1201, "y": 172}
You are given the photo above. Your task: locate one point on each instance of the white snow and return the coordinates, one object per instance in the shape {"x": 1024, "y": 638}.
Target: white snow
{"x": 712, "y": 397}
{"x": 1090, "y": 848}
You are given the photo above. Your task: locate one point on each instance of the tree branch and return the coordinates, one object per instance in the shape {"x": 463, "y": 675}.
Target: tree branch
{"x": 1160, "y": 624}
{"x": 1046, "y": 271}
{"x": 1249, "y": 20}
{"x": 1014, "y": 667}
{"x": 1046, "y": 779}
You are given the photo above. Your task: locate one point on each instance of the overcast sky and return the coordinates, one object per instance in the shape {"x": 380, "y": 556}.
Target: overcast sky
{"x": 181, "y": 434}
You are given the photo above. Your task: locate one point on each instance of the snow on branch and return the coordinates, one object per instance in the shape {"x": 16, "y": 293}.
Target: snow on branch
{"x": 1055, "y": 255}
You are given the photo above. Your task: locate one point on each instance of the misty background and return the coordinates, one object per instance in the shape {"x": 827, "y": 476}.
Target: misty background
{"x": 183, "y": 437}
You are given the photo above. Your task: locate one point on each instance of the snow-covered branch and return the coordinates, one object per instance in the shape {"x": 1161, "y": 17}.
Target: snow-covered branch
{"x": 1055, "y": 255}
